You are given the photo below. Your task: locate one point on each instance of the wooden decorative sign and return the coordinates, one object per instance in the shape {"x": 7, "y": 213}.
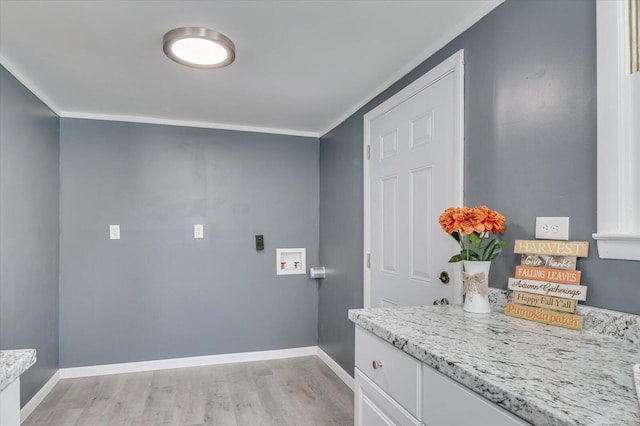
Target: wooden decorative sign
{"x": 556, "y": 262}
{"x": 567, "y": 291}
{"x": 545, "y": 316}
{"x": 555, "y": 248}
{"x": 546, "y": 274}
{"x": 548, "y": 302}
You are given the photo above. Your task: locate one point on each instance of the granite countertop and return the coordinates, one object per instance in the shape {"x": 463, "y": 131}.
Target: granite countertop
{"x": 636, "y": 374}
{"x": 13, "y": 364}
{"x": 544, "y": 374}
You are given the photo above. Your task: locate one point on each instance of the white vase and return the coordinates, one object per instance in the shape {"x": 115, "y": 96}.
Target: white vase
{"x": 475, "y": 302}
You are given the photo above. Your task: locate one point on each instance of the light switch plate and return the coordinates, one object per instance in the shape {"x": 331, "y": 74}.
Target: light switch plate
{"x": 114, "y": 232}
{"x": 198, "y": 231}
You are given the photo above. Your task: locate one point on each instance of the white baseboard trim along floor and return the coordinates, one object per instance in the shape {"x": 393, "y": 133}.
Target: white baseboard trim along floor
{"x": 195, "y": 361}
{"x": 335, "y": 367}
{"x": 164, "y": 364}
{"x": 33, "y": 403}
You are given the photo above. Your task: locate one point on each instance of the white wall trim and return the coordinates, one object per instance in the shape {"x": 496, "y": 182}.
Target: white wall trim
{"x": 618, "y": 235}
{"x": 336, "y": 368}
{"x": 185, "y": 123}
{"x": 452, "y": 65}
{"x": 196, "y": 361}
{"x": 33, "y": 403}
{"x": 618, "y": 246}
{"x": 26, "y": 82}
{"x": 37, "y": 92}
{"x": 423, "y": 56}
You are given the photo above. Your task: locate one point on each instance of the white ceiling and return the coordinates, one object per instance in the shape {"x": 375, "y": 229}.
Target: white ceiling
{"x": 301, "y": 66}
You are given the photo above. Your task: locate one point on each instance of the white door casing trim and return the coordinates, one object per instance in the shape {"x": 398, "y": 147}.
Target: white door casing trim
{"x": 452, "y": 65}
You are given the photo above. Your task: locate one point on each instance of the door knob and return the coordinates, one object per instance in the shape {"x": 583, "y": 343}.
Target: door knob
{"x": 376, "y": 365}
{"x": 444, "y": 277}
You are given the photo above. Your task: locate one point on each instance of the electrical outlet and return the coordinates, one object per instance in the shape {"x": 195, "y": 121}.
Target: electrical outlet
{"x": 114, "y": 232}
{"x": 552, "y": 228}
{"x": 198, "y": 231}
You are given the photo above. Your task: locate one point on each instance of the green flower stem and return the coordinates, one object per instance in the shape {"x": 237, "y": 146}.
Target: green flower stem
{"x": 471, "y": 247}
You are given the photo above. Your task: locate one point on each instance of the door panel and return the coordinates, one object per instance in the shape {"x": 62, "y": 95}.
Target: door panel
{"x": 389, "y": 145}
{"x": 413, "y": 175}
{"x": 389, "y": 224}
{"x": 421, "y": 219}
{"x": 422, "y": 130}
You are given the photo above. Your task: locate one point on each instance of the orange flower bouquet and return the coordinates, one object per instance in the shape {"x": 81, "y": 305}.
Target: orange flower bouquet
{"x": 470, "y": 227}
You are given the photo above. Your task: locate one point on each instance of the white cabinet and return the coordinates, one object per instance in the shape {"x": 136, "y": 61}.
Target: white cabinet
{"x": 387, "y": 383}
{"x": 10, "y": 404}
{"x": 394, "y": 371}
{"x": 374, "y": 407}
{"x": 393, "y": 388}
{"x": 447, "y": 403}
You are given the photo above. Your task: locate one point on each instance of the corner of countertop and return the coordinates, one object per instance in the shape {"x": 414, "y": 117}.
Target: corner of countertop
{"x": 13, "y": 363}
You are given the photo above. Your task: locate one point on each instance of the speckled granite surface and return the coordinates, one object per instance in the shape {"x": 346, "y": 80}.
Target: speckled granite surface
{"x": 596, "y": 320}
{"x": 636, "y": 374}
{"x": 14, "y": 363}
{"x": 544, "y": 374}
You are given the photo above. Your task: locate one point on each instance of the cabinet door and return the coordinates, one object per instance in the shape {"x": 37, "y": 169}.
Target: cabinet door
{"x": 373, "y": 407}
{"x": 10, "y": 404}
{"x": 399, "y": 375}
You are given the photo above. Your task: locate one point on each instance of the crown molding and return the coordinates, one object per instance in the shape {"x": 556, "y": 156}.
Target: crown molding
{"x": 426, "y": 54}
{"x": 187, "y": 123}
{"x": 26, "y": 82}
{"x": 44, "y": 98}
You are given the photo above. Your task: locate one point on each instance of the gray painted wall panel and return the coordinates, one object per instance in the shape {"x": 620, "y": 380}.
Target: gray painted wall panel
{"x": 341, "y": 234}
{"x": 158, "y": 293}
{"x": 530, "y": 77}
{"x": 29, "y": 227}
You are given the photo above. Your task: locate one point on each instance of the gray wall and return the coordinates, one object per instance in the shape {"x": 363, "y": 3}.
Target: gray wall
{"x": 29, "y": 228}
{"x": 158, "y": 293}
{"x": 341, "y": 238}
{"x": 530, "y": 77}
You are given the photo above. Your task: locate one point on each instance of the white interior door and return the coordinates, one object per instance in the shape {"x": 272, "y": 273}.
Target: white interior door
{"x": 413, "y": 172}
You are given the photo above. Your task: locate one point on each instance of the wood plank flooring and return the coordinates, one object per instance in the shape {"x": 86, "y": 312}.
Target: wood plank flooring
{"x": 294, "y": 391}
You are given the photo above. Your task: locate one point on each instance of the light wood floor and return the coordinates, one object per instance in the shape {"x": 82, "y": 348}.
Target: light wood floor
{"x": 295, "y": 391}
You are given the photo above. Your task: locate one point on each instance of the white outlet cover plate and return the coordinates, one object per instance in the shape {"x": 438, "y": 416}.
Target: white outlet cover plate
{"x": 198, "y": 231}
{"x": 114, "y": 232}
{"x": 552, "y": 228}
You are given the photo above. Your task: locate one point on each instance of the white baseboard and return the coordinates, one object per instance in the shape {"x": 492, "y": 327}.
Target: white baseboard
{"x": 335, "y": 367}
{"x": 30, "y": 406}
{"x": 196, "y": 361}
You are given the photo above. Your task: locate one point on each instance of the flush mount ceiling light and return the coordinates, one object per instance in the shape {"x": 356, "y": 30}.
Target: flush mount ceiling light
{"x": 199, "y": 47}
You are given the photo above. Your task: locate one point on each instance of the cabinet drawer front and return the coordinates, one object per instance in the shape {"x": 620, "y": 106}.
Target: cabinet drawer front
{"x": 373, "y": 407}
{"x": 398, "y": 374}
{"x": 448, "y": 403}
